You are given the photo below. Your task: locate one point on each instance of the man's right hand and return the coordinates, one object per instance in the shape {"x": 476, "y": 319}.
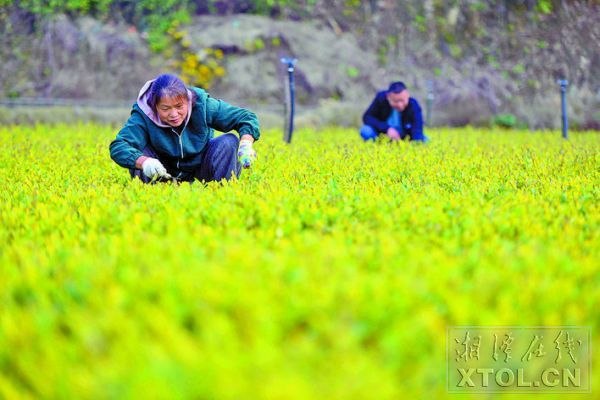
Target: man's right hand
{"x": 153, "y": 168}
{"x": 393, "y": 133}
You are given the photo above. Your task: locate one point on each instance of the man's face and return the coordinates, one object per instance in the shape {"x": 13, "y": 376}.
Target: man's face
{"x": 172, "y": 110}
{"x": 398, "y": 101}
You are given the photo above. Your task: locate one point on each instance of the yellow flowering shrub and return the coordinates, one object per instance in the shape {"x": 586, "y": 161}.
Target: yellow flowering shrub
{"x": 198, "y": 68}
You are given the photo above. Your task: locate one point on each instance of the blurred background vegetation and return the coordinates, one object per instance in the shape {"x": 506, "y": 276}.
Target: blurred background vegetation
{"x": 490, "y": 62}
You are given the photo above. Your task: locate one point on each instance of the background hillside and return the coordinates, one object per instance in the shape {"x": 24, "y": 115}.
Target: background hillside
{"x": 493, "y": 61}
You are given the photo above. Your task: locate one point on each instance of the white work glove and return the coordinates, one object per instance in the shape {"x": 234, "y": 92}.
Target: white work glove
{"x": 153, "y": 168}
{"x": 246, "y": 154}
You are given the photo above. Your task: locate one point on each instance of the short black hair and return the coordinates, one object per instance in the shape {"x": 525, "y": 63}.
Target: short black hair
{"x": 396, "y": 87}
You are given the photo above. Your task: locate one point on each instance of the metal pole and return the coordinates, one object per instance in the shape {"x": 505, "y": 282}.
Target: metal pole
{"x": 563, "y": 100}
{"x": 287, "y": 134}
{"x": 429, "y": 103}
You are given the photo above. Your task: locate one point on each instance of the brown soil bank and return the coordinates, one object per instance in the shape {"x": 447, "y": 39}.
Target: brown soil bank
{"x": 338, "y": 71}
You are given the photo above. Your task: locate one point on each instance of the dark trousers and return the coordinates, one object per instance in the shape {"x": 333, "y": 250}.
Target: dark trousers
{"x": 219, "y": 160}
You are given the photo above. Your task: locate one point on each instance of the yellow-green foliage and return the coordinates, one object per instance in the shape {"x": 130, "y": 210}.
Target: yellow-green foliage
{"x": 330, "y": 270}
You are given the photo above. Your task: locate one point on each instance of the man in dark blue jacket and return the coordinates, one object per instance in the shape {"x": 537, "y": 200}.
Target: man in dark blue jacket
{"x": 394, "y": 113}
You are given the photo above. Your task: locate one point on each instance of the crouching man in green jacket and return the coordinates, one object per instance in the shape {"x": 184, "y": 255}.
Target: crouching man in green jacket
{"x": 170, "y": 134}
